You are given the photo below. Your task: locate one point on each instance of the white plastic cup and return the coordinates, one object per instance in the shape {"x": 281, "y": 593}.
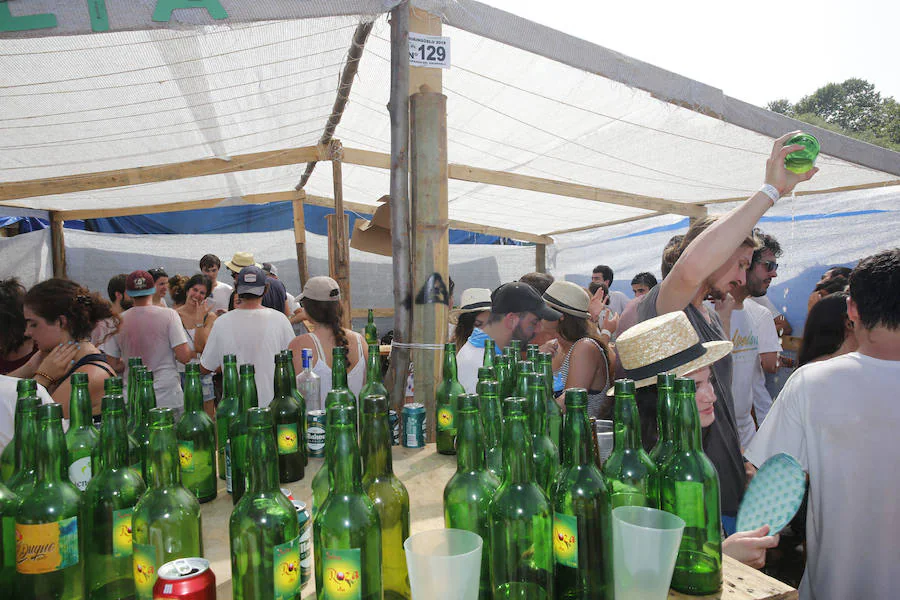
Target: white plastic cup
{"x": 645, "y": 546}
{"x": 605, "y": 441}
{"x": 444, "y": 564}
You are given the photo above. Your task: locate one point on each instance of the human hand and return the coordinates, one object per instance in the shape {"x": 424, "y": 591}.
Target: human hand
{"x": 776, "y": 173}
{"x": 749, "y": 470}
{"x": 551, "y": 346}
{"x": 610, "y": 321}
{"x": 597, "y": 304}
{"x": 725, "y": 306}
{"x": 58, "y": 361}
{"x": 749, "y": 547}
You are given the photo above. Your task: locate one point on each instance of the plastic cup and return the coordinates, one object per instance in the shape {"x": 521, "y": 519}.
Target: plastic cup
{"x": 605, "y": 441}
{"x": 645, "y": 545}
{"x": 444, "y": 564}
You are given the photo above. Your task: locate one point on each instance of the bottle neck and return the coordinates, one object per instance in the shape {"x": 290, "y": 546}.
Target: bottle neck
{"x": 517, "y": 452}
{"x": 489, "y": 402}
{"x": 687, "y": 424}
{"x": 450, "y": 373}
{"x": 249, "y": 398}
{"x": 291, "y": 374}
{"x": 373, "y": 369}
{"x": 52, "y": 454}
{"x": 537, "y": 417}
{"x": 113, "y": 441}
{"x": 377, "y": 440}
{"x": 307, "y": 363}
{"x": 262, "y": 470}
{"x": 282, "y": 380}
{"x": 344, "y": 460}
{"x": 577, "y": 447}
{"x": 627, "y": 433}
{"x": 164, "y": 466}
{"x": 664, "y": 413}
{"x": 27, "y": 437}
{"x": 193, "y": 392}
{"x": 339, "y": 372}
{"x": 80, "y": 406}
{"x": 488, "y": 354}
{"x": 229, "y": 380}
{"x": 469, "y": 447}
{"x": 147, "y": 400}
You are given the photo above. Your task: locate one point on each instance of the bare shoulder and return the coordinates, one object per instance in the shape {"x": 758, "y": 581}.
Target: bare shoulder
{"x": 301, "y": 341}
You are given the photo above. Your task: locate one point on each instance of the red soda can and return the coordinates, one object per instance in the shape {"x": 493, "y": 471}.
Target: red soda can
{"x": 185, "y": 579}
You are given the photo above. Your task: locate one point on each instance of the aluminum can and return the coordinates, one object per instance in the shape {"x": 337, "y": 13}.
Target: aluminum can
{"x": 288, "y": 494}
{"x": 414, "y": 425}
{"x": 315, "y": 433}
{"x": 395, "y": 427}
{"x": 305, "y": 521}
{"x": 185, "y": 579}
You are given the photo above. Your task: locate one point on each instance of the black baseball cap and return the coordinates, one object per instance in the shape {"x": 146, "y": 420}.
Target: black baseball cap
{"x": 519, "y": 297}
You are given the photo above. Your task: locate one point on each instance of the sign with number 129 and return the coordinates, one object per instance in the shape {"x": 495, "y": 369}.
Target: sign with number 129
{"x": 429, "y": 51}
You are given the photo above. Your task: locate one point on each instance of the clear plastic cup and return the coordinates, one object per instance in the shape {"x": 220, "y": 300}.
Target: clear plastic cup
{"x": 604, "y": 430}
{"x": 444, "y": 564}
{"x": 645, "y": 545}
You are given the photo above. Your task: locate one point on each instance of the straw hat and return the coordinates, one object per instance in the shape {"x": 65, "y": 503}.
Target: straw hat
{"x": 667, "y": 343}
{"x": 241, "y": 260}
{"x": 569, "y": 298}
{"x": 473, "y": 300}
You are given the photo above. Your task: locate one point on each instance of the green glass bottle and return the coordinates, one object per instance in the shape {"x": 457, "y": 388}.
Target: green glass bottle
{"x": 546, "y": 455}
{"x": 629, "y": 470}
{"x": 146, "y": 400}
{"x": 388, "y": 494}
{"x": 321, "y": 483}
{"x": 287, "y": 415}
{"x": 166, "y": 520}
{"x": 113, "y": 385}
{"x": 445, "y": 403}
{"x": 131, "y": 390}
{"x": 520, "y": 519}
{"x": 263, "y": 529}
{"x": 689, "y": 488}
{"x": 82, "y": 436}
{"x": 236, "y": 450}
{"x": 48, "y": 536}
{"x": 532, "y": 353}
{"x": 374, "y": 387}
{"x": 665, "y": 417}
{"x": 227, "y": 409}
{"x": 301, "y": 402}
{"x": 468, "y": 494}
{"x": 107, "y": 507}
{"x": 339, "y": 371}
{"x": 346, "y": 530}
{"x": 371, "y": 330}
{"x": 25, "y": 388}
{"x": 26, "y": 423}
{"x": 491, "y": 420}
{"x": 505, "y": 381}
{"x": 582, "y": 518}
{"x": 196, "y": 435}
{"x": 490, "y": 355}
{"x": 9, "y": 502}
{"x": 554, "y": 412}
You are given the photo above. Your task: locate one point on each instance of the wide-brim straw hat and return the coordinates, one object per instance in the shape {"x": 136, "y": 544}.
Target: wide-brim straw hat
{"x": 665, "y": 344}
{"x": 241, "y": 260}
{"x": 569, "y": 298}
{"x": 473, "y": 300}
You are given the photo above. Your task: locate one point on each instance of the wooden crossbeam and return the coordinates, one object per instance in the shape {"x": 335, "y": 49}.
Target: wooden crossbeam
{"x": 845, "y": 188}
{"x": 595, "y": 225}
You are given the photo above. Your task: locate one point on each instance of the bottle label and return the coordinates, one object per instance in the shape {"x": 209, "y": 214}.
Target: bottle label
{"x": 144, "y": 570}
{"x": 288, "y": 442}
{"x": 46, "y": 547}
{"x": 80, "y": 472}
{"x": 228, "y": 466}
{"x": 341, "y": 569}
{"x": 689, "y": 503}
{"x": 121, "y": 532}
{"x": 186, "y": 456}
{"x": 445, "y": 419}
{"x": 287, "y": 569}
{"x": 565, "y": 540}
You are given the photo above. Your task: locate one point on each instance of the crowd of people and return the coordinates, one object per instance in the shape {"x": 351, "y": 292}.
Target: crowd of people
{"x": 708, "y": 318}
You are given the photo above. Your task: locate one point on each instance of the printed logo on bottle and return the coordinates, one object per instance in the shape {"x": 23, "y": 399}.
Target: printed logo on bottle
{"x": 565, "y": 540}
{"x": 228, "y": 487}
{"x": 121, "y": 532}
{"x": 341, "y": 570}
{"x": 445, "y": 419}
{"x": 144, "y": 570}
{"x": 80, "y": 472}
{"x": 186, "y": 456}
{"x": 287, "y": 569}
{"x": 288, "y": 443}
{"x": 46, "y": 547}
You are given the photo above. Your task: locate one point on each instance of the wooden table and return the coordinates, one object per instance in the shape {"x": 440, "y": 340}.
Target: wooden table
{"x": 425, "y": 473}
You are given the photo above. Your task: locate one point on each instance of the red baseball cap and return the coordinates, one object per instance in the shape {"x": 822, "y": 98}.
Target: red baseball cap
{"x": 139, "y": 283}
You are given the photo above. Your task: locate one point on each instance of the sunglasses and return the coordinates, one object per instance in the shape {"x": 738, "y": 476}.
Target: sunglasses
{"x": 770, "y": 265}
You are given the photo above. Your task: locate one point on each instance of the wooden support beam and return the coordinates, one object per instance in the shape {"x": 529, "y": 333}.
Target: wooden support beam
{"x": 540, "y": 258}
{"x": 300, "y": 237}
{"x": 57, "y": 244}
{"x": 362, "y": 313}
{"x": 595, "y": 225}
{"x": 341, "y": 238}
{"x": 153, "y": 174}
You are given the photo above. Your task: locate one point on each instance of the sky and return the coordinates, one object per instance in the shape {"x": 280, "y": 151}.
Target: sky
{"x": 753, "y": 51}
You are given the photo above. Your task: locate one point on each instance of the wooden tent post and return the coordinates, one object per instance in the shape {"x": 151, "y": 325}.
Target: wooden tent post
{"x": 57, "y": 244}
{"x": 340, "y": 267}
{"x": 540, "y": 258}
{"x": 300, "y": 237}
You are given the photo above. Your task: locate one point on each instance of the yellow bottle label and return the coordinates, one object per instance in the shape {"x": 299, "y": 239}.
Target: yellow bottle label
{"x": 342, "y": 574}
{"x": 46, "y": 547}
{"x": 287, "y": 569}
{"x": 288, "y": 443}
{"x": 144, "y": 570}
{"x": 445, "y": 419}
{"x": 565, "y": 540}
{"x": 121, "y": 532}
{"x": 186, "y": 456}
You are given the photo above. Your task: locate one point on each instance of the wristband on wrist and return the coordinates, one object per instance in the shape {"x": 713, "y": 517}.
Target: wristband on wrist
{"x": 50, "y": 380}
{"x": 771, "y": 191}
{"x": 607, "y": 333}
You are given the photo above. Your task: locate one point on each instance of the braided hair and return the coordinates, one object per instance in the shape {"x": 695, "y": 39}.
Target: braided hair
{"x": 330, "y": 314}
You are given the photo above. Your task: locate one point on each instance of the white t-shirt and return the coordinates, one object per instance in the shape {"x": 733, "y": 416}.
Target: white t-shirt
{"x": 752, "y": 333}
{"x": 768, "y": 304}
{"x": 468, "y": 360}
{"x": 8, "y": 397}
{"x": 254, "y": 336}
{"x": 218, "y": 300}
{"x": 151, "y": 332}
{"x": 618, "y": 301}
{"x": 839, "y": 418}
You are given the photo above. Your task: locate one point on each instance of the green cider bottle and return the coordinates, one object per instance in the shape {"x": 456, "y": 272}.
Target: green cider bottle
{"x": 301, "y": 401}
{"x": 371, "y": 330}
{"x": 146, "y": 399}
{"x": 112, "y": 386}
{"x": 236, "y": 450}
{"x": 9, "y": 503}
{"x": 665, "y": 417}
{"x": 263, "y": 529}
{"x": 25, "y": 388}
{"x": 287, "y": 417}
{"x": 505, "y": 381}
{"x": 546, "y": 455}
{"x": 48, "y": 538}
{"x": 520, "y": 519}
{"x": 227, "y": 409}
{"x": 491, "y": 420}
{"x": 532, "y": 353}
{"x": 196, "y": 435}
{"x": 582, "y": 519}
{"x": 107, "y": 507}
{"x": 82, "y": 436}
{"x": 374, "y": 386}
{"x": 445, "y": 403}
{"x": 629, "y": 470}
{"x": 689, "y": 488}
{"x": 339, "y": 372}
{"x": 166, "y": 520}
{"x": 321, "y": 483}
{"x": 134, "y": 362}
{"x": 554, "y": 412}
{"x": 388, "y": 494}
{"x": 27, "y": 424}
{"x": 468, "y": 494}
{"x": 490, "y": 356}
{"x": 346, "y": 530}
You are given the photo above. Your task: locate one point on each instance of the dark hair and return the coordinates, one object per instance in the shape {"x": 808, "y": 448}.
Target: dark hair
{"x": 875, "y": 289}
{"x": 116, "y": 284}
{"x": 605, "y": 271}
{"x": 209, "y": 261}
{"x": 670, "y": 254}
{"x": 701, "y": 225}
{"x": 572, "y": 329}
{"x": 646, "y": 278}
{"x": 596, "y": 285}
{"x": 82, "y": 308}
{"x": 825, "y": 329}
{"x": 835, "y": 284}
{"x": 465, "y": 325}
{"x": 330, "y": 314}
{"x": 178, "y": 288}
{"x": 12, "y": 321}
{"x": 157, "y": 272}
{"x": 539, "y": 281}
{"x": 766, "y": 242}
{"x": 198, "y": 279}
{"x": 839, "y": 272}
